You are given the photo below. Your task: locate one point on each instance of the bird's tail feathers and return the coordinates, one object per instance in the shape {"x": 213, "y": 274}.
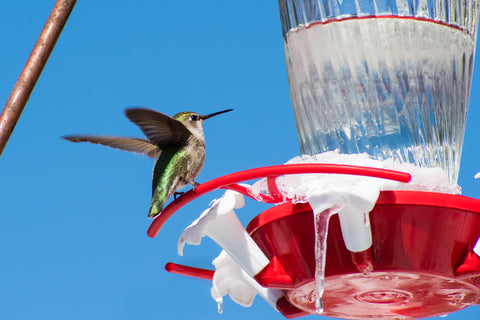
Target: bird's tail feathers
{"x": 136, "y": 145}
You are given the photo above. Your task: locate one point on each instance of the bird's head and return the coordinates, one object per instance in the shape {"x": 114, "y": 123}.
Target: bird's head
{"x": 194, "y": 121}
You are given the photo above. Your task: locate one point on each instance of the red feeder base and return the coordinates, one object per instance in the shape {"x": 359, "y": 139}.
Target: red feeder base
{"x": 421, "y": 244}
{"x": 421, "y": 262}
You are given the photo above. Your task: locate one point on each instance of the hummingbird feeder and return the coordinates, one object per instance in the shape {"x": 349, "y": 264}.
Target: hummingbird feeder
{"x": 421, "y": 259}
{"x": 388, "y": 80}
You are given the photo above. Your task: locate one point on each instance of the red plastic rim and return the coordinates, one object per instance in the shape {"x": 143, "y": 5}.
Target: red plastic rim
{"x": 272, "y": 172}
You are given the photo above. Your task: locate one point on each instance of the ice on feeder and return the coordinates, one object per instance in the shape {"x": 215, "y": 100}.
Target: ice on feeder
{"x": 197, "y": 229}
{"x": 321, "y": 220}
{"x": 241, "y": 258}
{"x": 296, "y": 187}
{"x": 351, "y": 197}
{"x": 220, "y": 223}
{"x": 230, "y": 279}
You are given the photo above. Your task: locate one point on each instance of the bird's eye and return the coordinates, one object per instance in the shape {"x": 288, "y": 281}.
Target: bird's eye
{"x": 194, "y": 117}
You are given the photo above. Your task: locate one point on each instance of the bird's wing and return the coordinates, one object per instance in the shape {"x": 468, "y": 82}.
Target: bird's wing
{"x": 128, "y": 144}
{"x": 159, "y": 128}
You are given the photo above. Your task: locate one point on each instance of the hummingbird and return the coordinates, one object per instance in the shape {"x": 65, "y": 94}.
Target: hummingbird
{"x": 177, "y": 143}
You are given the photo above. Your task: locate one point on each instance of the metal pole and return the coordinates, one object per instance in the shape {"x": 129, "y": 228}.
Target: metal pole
{"x": 33, "y": 68}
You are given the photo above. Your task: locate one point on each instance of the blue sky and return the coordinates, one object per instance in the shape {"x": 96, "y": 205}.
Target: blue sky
{"x": 73, "y": 218}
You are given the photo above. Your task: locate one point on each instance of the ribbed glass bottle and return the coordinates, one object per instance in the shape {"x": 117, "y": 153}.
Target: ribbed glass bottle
{"x": 389, "y": 78}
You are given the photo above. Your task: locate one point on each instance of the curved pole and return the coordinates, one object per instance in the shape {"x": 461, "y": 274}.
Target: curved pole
{"x": 251, "y": 174}
{"x": 33, "y": 68}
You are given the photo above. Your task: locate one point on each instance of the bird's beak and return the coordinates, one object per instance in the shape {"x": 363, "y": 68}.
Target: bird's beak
{"x": 215, "y": 113}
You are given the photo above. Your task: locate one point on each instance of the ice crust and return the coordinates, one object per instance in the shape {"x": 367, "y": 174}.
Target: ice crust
{"x": 297, "y": 187}
{"x": 234, "y": 271}
{"x": 196, "y": 230}
{"x": 229, "y": 278}
{"x": 356, "y": 195}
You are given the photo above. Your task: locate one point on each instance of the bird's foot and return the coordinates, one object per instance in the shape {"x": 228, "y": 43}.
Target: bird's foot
{"x": 176, "y": 194}
{"x": 195, "y": 184}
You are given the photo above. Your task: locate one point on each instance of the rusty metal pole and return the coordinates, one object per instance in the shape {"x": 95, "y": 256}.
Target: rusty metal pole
{"x": 33, "y": 68}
